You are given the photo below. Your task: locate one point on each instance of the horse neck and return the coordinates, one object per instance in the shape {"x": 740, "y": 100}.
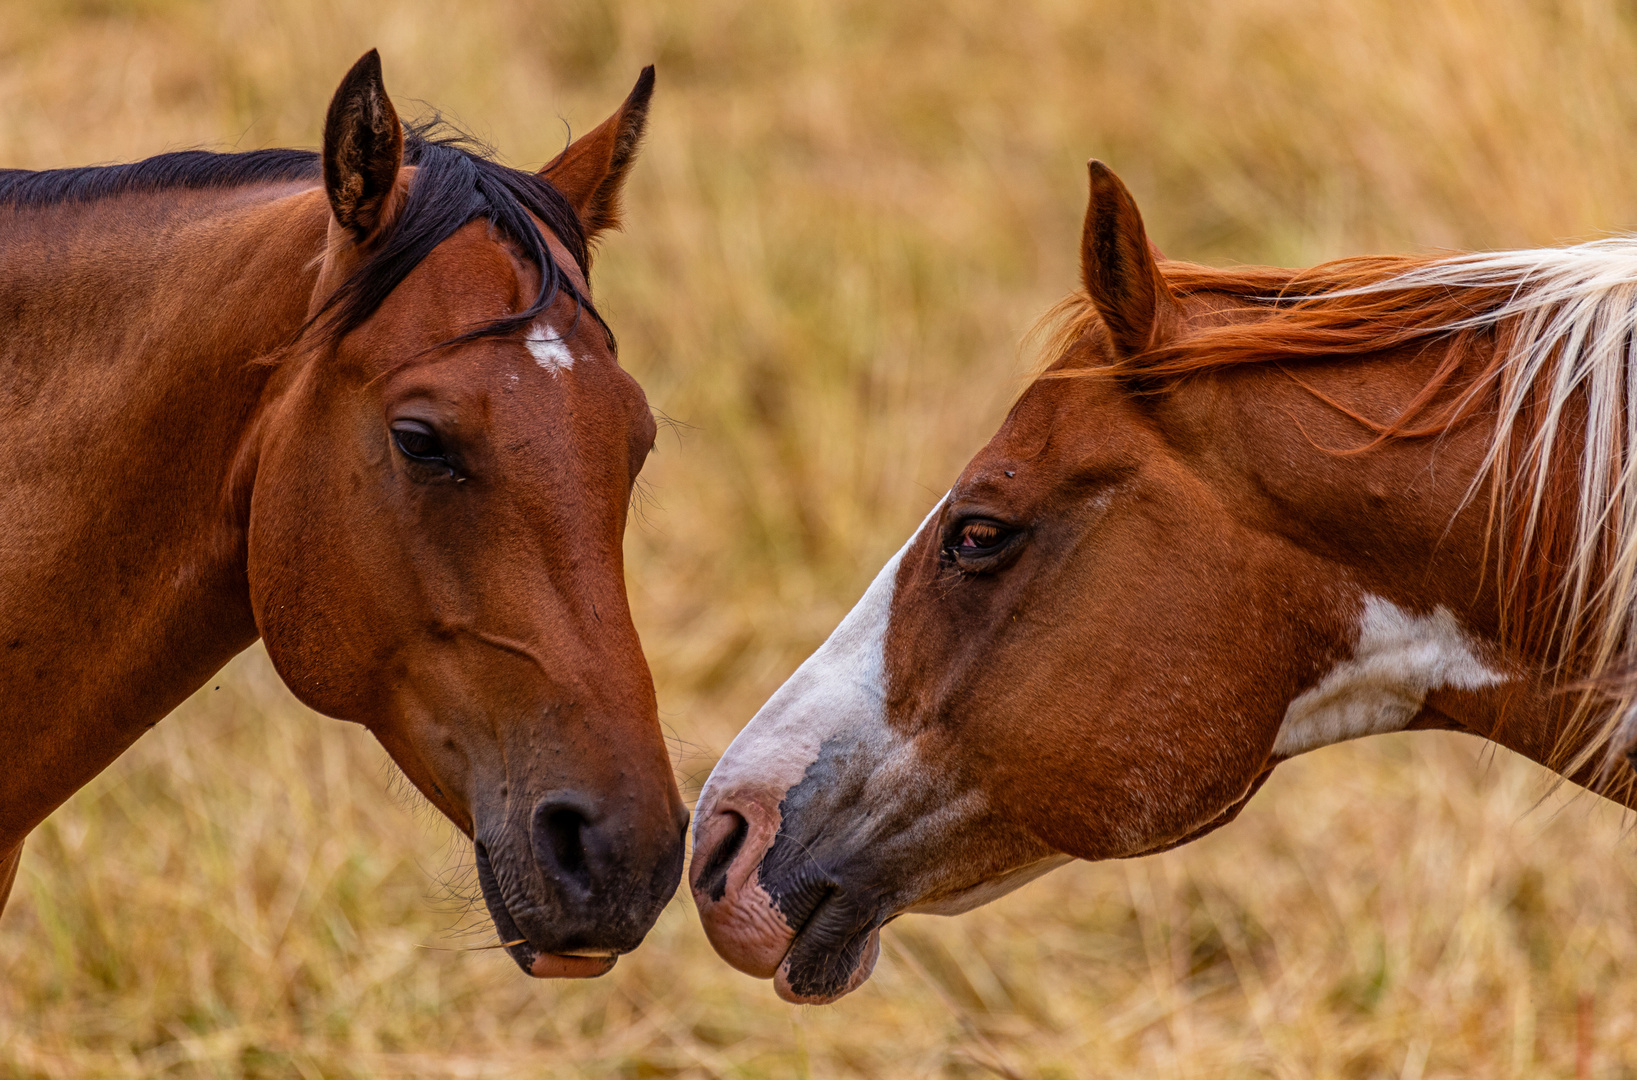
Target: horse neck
{"x": 129, "y": 334}
{"x": 1401, "y": 520}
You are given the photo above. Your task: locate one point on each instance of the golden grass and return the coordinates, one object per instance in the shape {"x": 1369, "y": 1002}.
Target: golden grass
{"x": 847, "y": 216}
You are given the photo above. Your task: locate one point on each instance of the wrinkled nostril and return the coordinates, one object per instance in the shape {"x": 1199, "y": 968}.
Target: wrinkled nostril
{"x": 713, "y": 879}
{"x": 559, "y": 843}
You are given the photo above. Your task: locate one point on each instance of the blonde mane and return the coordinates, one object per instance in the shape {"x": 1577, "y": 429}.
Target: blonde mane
{"x": 1558, "y": 375}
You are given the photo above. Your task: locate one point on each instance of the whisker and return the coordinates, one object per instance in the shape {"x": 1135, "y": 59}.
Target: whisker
{"x": 472, "y": 948}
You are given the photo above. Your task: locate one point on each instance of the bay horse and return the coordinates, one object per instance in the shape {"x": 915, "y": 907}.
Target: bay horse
{"x": 357, "y": 403}
{"x": 1244, "y": 514}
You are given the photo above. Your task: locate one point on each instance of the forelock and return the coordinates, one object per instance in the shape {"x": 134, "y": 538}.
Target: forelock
{"x": 457, "y": 181}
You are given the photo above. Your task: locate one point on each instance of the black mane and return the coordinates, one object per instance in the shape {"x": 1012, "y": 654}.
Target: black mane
{"x": 457, "y": 181}
{"x": 185, "y": 169}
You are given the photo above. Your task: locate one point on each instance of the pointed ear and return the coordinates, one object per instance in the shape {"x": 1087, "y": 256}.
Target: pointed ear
{"x": 1119, "y": 268}
{"x": 363, "y": 150}
{"x": 592, "y": 170}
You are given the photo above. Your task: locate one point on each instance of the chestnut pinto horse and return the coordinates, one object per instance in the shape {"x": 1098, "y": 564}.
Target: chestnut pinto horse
{"x": 357, "y": 403}
{"x": 1244, "y": 514}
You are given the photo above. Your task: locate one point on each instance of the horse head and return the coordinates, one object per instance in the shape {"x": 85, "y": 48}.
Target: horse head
{"x": 438, "y": 489}
{"x": 1243, "y": 514}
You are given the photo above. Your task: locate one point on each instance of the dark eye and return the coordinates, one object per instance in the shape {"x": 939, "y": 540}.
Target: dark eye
{"x": 974, "y": 543}
{"x": 418, "y": 442}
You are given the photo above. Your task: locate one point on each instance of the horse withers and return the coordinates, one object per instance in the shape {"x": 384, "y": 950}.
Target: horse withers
{"x": 1244, "y": 514}
{"x": 358, "y": 403}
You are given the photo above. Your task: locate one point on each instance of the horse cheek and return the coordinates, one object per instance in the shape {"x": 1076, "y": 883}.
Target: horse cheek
{"x": 307, "y": 604}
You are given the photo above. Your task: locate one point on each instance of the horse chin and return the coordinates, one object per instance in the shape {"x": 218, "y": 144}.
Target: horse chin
{"x": 815, "y": 977}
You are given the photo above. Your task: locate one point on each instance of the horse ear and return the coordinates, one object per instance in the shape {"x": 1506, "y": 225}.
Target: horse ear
{"x": 592, "y": 170}
{"x": 363, "y": 150}
{"x": 1120, "y": 268}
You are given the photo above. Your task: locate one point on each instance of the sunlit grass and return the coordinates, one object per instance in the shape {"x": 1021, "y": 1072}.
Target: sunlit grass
{"x": 847, "y": 217}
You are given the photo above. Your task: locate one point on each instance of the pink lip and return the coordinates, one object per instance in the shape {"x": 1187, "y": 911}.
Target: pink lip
{"x": 744, "y": 925}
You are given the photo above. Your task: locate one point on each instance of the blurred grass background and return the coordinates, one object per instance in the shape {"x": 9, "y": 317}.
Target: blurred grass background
{"x": 847, "y": 217}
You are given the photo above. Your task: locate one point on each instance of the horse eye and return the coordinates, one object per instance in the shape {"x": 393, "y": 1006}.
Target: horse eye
{"x": 979, "y": 536}
{"x": 974, "y": 543}
{"x": 418, "y": 442}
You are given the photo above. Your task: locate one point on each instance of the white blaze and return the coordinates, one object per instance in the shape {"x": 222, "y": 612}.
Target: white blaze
{"x": 548, "y": 348}
{"x": 1399, "y": 659}
{"x": 838, "y": 691}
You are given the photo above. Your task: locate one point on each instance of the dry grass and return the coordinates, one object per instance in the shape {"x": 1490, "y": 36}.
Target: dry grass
{"x": 847, "y": 217}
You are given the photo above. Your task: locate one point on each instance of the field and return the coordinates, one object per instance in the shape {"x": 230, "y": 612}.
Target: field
{"x": 847, "y": 219}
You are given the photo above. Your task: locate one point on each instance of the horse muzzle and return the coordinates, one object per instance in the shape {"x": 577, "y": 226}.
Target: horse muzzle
{"x": 577, "y": 885}
{"x": 771, "y": 909}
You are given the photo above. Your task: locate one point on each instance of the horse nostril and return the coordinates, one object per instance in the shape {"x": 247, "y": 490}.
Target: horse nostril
{"x": 713, "y": 879}
{"x": 559, "y": 842}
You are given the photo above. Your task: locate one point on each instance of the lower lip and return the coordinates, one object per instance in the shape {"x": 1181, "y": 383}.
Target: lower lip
{"x": 867, "y": 957}
{"x": 571, "y": 966}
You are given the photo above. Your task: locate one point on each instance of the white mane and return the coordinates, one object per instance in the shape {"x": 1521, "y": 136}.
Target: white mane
{"x": 1569, "y": 331}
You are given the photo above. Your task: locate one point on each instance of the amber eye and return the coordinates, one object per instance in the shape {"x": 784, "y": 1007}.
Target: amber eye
{"x": 978, "y": 536}
{"x": 974, "y": 543}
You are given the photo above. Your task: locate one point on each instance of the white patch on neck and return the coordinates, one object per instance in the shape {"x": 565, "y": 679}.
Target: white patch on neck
{"x": 548, "y": 348}
{"x": 838, "y": 691}
{"x": 1400, "y": 657}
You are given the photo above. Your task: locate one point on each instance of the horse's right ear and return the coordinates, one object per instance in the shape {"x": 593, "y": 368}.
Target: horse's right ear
{"x": 1119, "y": 268}
{"x": 591, "y": 172}
{"x": 363, "y": 150}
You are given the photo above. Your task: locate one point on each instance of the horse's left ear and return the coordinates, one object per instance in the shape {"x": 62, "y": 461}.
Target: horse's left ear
{"x": 1120, "y": 268}
{"x": 592, "y": 170}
